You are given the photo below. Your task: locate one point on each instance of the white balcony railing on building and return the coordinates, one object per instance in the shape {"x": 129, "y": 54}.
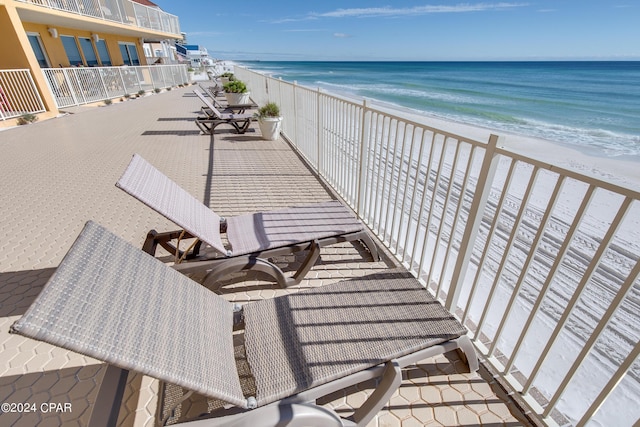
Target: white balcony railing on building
{"x": 541, "y": 263}
{"x": 121, "y": 11}
{"x": 18, "y": 94}
{"x": 84, "y": 85}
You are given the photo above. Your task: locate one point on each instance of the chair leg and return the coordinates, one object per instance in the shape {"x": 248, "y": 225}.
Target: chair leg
{"x": 373, "y": 249}
{"x": 204, "y": 128}
{"x": 109, "y": 399}
{"x": 465, "y": 347}
{"x": 309, "y": 261}
{"x": 389, "y": 383}
{"x": 234, "y": 265}
{"x": 278, "y": 414}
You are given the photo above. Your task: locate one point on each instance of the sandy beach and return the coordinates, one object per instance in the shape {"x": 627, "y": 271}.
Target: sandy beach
{"x": 620, "y": 170}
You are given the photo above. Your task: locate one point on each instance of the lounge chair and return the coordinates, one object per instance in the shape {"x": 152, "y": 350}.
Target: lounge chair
{"x": 113, "y": 302}
{"x": 214, "y": 117}
{"x": 213, "y": 93}
{"x": 252, "y": 238}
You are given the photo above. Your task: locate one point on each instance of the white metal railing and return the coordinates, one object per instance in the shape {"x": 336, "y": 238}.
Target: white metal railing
{"x": 18, "y": 94}
{"x": 121, "y": 11}
{"x": 541, "y": 263}
{"x": 84, "y": 85}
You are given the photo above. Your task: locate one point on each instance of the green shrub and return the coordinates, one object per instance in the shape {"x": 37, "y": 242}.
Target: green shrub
{"x": 25, "y": 119}
{"x": 236, "y": 86}
{"x": 141, "y": 92}
{"x": 268, "y": 110}
{"x": 108, "y": 102}
{"x": 157, "y": 90}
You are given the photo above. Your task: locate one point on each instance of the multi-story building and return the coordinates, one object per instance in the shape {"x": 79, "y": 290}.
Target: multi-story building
{"x": 46, "y": 37}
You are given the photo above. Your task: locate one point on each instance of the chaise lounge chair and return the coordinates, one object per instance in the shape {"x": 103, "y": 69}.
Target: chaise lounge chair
{"x": 113, "y": 302}
{"x": 252, "y": 238}
{"x": 213, "y": 92}
{"x": 214, "y": 117}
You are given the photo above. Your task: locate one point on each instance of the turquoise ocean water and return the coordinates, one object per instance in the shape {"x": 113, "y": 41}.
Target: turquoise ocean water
{"x": 594, "y": 105}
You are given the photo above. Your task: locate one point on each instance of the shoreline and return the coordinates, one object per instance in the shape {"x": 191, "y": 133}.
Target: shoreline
{"x": 621, "y": 170}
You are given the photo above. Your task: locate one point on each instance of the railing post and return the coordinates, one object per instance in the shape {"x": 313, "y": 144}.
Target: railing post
{"x": 319, "y": 132}
{"x": 72, "y": 88}
{"x": 153, "y": 84}
{"x": 124, "y": 84}
{"x": 295, "y": 109}
{"x": 364, "y": 147}
{"x": 104, "y": 85}
{"x": 480, "y": 198}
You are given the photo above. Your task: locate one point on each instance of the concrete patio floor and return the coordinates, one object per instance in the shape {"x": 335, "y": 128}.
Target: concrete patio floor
{"x": 60, "y": 173}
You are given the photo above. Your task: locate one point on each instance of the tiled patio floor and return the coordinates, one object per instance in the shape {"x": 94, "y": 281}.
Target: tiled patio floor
{"x": 60, "y": 173}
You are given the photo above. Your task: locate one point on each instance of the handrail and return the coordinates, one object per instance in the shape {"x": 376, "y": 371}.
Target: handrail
{"x": 529, "y": 254}
{"x": 121, "y": 11}
{"x": 18, "y": 94}
{"x": 84, "y": 85}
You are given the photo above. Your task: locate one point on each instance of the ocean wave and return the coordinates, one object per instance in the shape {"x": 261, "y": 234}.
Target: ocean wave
{"x": 576, "y": 104}
{"x": 609, "y": 143}
{"x": 371, "y": 90}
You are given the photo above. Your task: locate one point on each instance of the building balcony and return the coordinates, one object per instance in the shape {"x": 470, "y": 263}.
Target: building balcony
{"x": 133, "y": 18}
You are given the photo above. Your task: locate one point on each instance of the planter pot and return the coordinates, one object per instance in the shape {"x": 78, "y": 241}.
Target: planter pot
{"x": 224, "y": 80}
{"x": 270, "y": 127}
{"x": 237, "y": 98}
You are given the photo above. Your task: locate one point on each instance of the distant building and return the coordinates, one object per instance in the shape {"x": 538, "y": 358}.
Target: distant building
{"x": 42, "y": 34}
{"x": 197, "y": 56}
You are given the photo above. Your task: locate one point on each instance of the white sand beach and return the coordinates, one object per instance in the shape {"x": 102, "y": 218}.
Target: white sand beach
{"x": 621, "y": 170}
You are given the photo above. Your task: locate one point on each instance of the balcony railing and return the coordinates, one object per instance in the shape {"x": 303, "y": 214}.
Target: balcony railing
{"x": 18, "y": 94}
{"x": 540, "y": 262}
{"x": 84, "y": 85}
{"x": 121, "y": 11}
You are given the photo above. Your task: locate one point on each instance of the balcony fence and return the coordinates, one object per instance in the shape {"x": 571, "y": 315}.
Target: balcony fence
{"x": 84, "y": 85}
{"x": 18, "y": 94}
{"x": 540, "y": 262}
{"x": 122, "y": 11}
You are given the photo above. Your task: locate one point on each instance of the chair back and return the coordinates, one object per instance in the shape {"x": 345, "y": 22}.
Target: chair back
{"x": 116, "y": 303}
{"x": 156, "y": 190}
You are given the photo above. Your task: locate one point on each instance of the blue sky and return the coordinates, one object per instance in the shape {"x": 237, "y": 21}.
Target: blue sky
{"x": 412, "y": 30}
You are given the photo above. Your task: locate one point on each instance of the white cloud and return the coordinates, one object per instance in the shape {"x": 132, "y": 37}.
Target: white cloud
{"x": 309, "y": 30}
{"x": 388, "y": 11}
{"x": 341, "y": 35}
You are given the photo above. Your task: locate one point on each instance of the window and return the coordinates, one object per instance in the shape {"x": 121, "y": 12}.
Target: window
{"x": 103, "y": 53}
{"x": 88, "y": 52}
{"x": 71, "y": 48}
{"x": 36, "y": 45}
{"x": 129, "y": 53}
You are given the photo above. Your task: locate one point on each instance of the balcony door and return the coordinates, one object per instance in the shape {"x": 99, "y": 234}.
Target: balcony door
{"x": 72, "y": 51}
{"x": 129, "y": 53}
{"x": 88, "y": 51}
{"x": 38, "y": 50}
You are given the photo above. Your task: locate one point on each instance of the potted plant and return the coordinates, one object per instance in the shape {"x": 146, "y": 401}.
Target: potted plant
{"x": 226, "y": 77}
{"x": 270, "y": 121}
{"x": 236, "y": 92}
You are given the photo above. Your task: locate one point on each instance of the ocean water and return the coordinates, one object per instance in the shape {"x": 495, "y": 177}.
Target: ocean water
{"x": 594, "y": 105}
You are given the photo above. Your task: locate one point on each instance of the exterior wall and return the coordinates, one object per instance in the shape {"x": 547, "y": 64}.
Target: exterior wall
{"x": 16, "y": 52}
{"x": 58, "y": 56}
{"x": 12, "y": 54}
